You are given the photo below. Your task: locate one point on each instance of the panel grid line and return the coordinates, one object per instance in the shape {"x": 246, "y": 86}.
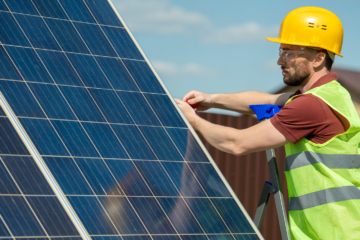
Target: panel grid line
{"x": 68, "y": 20}
{"x": 191, "y": 129}
{"x": 98, "y": 107}
{"x": 25, "y": 199}
{"x": 64, "y": 143}
{"x": 86, "y": 54}
{"x": 7, "y": 228}
{"x": 76, "y": 222}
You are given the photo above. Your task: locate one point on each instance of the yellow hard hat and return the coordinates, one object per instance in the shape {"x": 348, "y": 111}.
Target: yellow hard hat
{"x": 311, "y": 27}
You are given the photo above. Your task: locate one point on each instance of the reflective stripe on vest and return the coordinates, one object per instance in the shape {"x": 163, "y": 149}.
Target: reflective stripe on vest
{"x": 323, "y": 197}
{"x": 329, "y": 160}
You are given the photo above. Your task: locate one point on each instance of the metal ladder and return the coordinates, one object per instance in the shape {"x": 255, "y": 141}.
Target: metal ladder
{"x": 264, "y": 112}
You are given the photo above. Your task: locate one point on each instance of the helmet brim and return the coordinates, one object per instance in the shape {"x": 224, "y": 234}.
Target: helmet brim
{"x": 278, "y": 40}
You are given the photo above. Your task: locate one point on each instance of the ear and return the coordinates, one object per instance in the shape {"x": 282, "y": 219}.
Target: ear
{"x": 319, "y": 60}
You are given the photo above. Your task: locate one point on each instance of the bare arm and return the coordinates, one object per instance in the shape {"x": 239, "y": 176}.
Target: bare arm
{"x": 238, "y": 102}
{"x": 256, "y": 138}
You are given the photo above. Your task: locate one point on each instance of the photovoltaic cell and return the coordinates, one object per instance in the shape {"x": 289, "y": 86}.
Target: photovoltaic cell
{"x": 106, "y": 136}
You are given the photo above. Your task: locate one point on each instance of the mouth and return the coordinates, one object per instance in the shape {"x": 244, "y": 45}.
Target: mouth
{"x": 284, "y": 71}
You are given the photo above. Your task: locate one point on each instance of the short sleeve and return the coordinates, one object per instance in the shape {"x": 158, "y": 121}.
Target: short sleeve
{"x": 303, "y": 116}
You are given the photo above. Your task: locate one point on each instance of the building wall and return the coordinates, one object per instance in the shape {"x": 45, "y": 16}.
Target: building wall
{"x": 247, "y": 174}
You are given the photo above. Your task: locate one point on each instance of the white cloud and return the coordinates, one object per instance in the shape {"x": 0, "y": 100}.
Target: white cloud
{"x": 163, "y": 17}
{"x": 159, "y": 16}
{"x": 191, "y": 69}
{"x": 247, "y": 32}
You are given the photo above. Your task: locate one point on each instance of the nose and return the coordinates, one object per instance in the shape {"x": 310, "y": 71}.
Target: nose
{"x": 281, "y": 60}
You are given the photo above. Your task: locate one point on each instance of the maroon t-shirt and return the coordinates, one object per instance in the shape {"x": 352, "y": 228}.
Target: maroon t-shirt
{"x": 307, "y": 116}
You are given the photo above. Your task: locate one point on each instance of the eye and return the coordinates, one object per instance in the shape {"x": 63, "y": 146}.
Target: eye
{"x": 290, "y": 55}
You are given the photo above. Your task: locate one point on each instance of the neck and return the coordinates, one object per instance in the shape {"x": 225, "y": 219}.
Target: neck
{"x": 313, "y": 78}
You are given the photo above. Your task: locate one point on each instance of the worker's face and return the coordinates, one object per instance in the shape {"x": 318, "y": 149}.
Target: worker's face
{"x": 295, "y": 70}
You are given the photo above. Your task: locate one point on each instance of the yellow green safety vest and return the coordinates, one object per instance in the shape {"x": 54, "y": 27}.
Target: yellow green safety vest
{"x": 324, "y": 179}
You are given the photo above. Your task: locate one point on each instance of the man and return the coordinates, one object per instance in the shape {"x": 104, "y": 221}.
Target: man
{"x": 318, "y": 125}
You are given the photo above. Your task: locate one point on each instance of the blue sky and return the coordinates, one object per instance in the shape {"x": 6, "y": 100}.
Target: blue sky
{"x": 219, "y": 46}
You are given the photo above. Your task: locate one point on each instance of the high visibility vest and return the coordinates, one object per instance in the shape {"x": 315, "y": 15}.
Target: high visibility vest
{"x": 324, "y": 179}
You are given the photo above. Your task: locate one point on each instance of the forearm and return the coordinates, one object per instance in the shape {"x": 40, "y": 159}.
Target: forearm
{"x": 240, "y": 102}
{"x": 259, "y": 137}
{"x": 220, "y": 137}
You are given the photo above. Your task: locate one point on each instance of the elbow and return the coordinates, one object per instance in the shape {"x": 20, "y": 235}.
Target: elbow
{"x": 238, "y": 151}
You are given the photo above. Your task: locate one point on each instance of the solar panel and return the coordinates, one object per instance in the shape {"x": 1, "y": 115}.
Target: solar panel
{"x": 92, "y": 144}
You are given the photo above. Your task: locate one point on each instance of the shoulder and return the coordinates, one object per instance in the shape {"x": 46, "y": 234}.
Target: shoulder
{"x": 306, "y": 107}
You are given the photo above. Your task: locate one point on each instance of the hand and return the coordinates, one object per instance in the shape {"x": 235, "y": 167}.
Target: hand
{"x": 203, "y": 100}
{"x": 188, "y": 111}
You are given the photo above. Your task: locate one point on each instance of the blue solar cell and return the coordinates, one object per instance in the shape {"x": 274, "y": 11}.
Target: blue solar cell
{"x": 67, "y": 36}
{"x": 246, "y": 237}
{"x": 103, "y": 12}
{"x": 156, "y": 178}
{"x": 221, "y": 237}
{"x": 50, "y": 8}
{"x": 117, "y": 74}
{"x": 92, "y": 215}
{"x": 10, "y": 142}
{"x": 37, "y": 32}
{"x": 3, "y": 6}
{"x": 187, "y": 145}
{"x": 210, "y": 180}
{"x": 27, "y": 175}
{"x": 171, "y": 237}
{"x": 161, "y": 144}
{"x": 19, "y": 217}
{"x": 165, "y": 110}
{"x": 123, "y": 215}
{"x": 44, "y": 137}
{"x": 141, "y": 237}
{"x": 52, "y": 216}
{"x": 95, "y": 39}
{"x": 8, "y": 70}
{"x": 10, "y": 32}
{"x": 122, "y": 42}
{"x": 152, "y": 215}
{"x": 111, "y": 106}
{"x": 143, "y": 76}
{"x": 194, "y": 237}
{"x": 82, "y": 104}
{"x": 68, "y": 175}
{"x": 233, "y": 217}
{"x": 138, "y": 108}
{"x": 75, "y": 139}
{"x": 180, "y": 215}
{"x": 21, "y": 99}
{"x": 89, "y": 71}
{"x": 52, "y": 101}
{"x": 128, "y": 178}
{"x": 134, "y": 238}
{"x": 98, "y": 176}
{"x": 77, "y": 10}
{"x": 7, "y": 185}
{"x": 29, "y": 65}
{"x": 60, "y": 68}
{"x": 206, "y": 214}
{"x": 4, "y": 232}
{"x": 22, "y": 6}
{"x": 105, "y": 140}
{"x": 134, "y": 142}
{"x": 183, "y": 179}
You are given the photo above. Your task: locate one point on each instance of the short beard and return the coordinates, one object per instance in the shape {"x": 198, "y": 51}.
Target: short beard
{"x": 301, "y": 74}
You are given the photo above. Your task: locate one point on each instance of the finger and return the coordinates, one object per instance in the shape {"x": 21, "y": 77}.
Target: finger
{"x": 189, "y": 95}
{"x": 197, "y": 99}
